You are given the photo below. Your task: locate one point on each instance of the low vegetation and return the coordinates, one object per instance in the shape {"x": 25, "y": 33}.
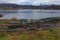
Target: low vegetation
{"x": 51, "y": 33}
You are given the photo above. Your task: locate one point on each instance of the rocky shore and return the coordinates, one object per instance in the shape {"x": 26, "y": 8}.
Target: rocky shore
{"x": 28, "y": 24}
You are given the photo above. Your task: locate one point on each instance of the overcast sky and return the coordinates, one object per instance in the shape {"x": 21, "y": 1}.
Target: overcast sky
{"x": 31, "y": 1}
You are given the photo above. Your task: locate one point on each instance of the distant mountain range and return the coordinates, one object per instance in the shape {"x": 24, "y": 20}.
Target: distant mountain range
{"x": 15, "y": 6}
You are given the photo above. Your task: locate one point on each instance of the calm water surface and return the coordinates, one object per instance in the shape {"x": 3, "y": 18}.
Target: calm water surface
{"x": 29, "y": 14}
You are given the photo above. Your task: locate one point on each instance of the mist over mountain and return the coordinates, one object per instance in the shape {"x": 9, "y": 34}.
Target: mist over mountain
{"x": 32, "y": 2}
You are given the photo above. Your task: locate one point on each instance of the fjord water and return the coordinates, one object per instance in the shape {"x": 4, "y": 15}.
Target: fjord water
{"x": 29, "y": 14}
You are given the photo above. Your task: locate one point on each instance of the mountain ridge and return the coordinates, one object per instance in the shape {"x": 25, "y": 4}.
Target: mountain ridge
{"x": 15, "y": 6}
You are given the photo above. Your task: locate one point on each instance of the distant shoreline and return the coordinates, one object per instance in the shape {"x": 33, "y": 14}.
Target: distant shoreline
{"x": 15, "y": 6}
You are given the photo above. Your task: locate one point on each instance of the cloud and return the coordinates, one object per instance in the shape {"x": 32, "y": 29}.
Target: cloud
{"x": 55, "y": 1}
{"x": 31, "y": 1}
{"x": 17, "y": 1}
{"x": 2, "y": 1}
{"x": 34, "y": 2}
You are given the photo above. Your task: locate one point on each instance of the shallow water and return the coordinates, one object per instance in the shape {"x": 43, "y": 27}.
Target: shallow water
{"x": 29, "y": 14}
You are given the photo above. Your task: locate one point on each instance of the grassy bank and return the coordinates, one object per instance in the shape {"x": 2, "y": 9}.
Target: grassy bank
{"x": 50, "y": 34}
{"x": 48, "y": 29}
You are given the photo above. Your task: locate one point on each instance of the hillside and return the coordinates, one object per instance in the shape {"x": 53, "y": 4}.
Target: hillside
{"x": 15, "y": 6}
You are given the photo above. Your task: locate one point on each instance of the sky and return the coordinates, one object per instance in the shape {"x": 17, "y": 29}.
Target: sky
{"x": 34, "y": 2}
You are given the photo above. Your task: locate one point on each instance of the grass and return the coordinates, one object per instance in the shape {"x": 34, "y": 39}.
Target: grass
{"x": 39, "y": 34}
{"x": 50, "y": 34}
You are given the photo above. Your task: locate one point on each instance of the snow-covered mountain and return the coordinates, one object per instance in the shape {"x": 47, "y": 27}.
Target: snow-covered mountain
{"x": 46, "y": 3}
{"x": 31, "y": 3}
{"x": 25, "y": 3}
